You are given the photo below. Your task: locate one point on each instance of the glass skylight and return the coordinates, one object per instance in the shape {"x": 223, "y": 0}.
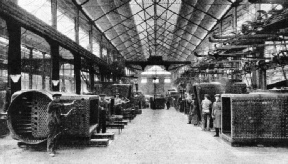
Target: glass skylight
{"x": 39, "y": 8}
{"x": 155, "y": 70}
{"x": 147, "y": 29}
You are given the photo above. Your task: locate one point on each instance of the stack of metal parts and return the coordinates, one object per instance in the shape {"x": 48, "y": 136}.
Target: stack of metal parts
{"x": 255, "y": 118}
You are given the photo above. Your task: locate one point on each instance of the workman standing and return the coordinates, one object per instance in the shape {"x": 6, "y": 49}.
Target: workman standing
{"x": 7, "y": 99}
{"x": 117, "y": 103}
{"x": 118, "y": 100}
{"x": 216, "y": 114}
{"x": 103, "y": 107}
{"x": 54, "y": 122}
{"x": 206, "y": 105}
{"x": 168, "y": 97}
{"x": 191, "y": 107}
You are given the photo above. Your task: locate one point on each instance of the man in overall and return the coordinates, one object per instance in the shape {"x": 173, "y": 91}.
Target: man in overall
{"x": 103, "y": 107}
{"x": 54, "y": 122}
{"x": 216, "y": 114}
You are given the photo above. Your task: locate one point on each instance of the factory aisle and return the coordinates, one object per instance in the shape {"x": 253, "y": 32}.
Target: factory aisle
{"x": 155, "y": 136}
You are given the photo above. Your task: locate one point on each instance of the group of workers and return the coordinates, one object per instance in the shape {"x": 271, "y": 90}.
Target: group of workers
{"x": 210, "y": 111}
{"x": 55, "y": 108}
{"x": 213, "y": 110}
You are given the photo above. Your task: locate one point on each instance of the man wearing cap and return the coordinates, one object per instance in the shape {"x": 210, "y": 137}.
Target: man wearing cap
{"x": 103, "y": 106}
{"x": 216, "y": 114}
{"x": 54, "y": 122}
{"x": 117, "y": 99}
{"x": 118, "y": 103}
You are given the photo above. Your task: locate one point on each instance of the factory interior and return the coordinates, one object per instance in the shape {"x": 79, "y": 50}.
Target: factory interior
{"x": 144, "y": 81}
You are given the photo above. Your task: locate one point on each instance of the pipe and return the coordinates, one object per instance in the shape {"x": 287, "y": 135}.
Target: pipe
{"x": 256, "y": 36}
{"x": 222, "y": 18}
{"x": 197, "y": 55}
{"x": 247, "y": 46}
{"x": 245, "y": 55}
{"x": 233, "y": 40}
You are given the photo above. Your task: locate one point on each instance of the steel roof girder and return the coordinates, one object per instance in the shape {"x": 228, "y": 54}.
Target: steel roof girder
{"x": 185, "y": 31}
{"x": 110, "y": 11}
{"x": 185, "y": 18}
{"x": 124, "y": 20}
{"x": 166, "y": 47}
{"x": 201, "y": 10}
{"x": 125, "y": 32}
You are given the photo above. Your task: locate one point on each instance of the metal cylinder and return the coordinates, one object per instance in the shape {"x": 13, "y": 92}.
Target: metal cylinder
{"x": 27, "y": 115}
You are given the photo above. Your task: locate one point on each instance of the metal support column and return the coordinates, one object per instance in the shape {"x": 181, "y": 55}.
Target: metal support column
{"x": 235, "y": 15}
{"x": 101, "y": 48}
{"x": 43, "y": 71}
{"x": 77, "y": 57}
{"x": 91, "y": 77}
{"x": 108, "y": 56}
{"x": 30, "y": 67}
{"x": 14, "y": 55}
{"x": 102, "y": 78}
{"x": 63, "y": 87}
{"x": 77, "y": 76}
{"x": 55, "y": 65}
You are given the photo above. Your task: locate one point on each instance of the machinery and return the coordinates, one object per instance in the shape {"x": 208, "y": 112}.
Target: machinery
{"x": 110, "y": 89}
{"x": 255, "y": 118}
{"x": 27, "y": 115}
{"x": 159, "y": 102}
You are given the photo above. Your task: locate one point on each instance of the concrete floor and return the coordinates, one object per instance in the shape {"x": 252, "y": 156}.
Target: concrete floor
{"x": 155, "y": 136}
